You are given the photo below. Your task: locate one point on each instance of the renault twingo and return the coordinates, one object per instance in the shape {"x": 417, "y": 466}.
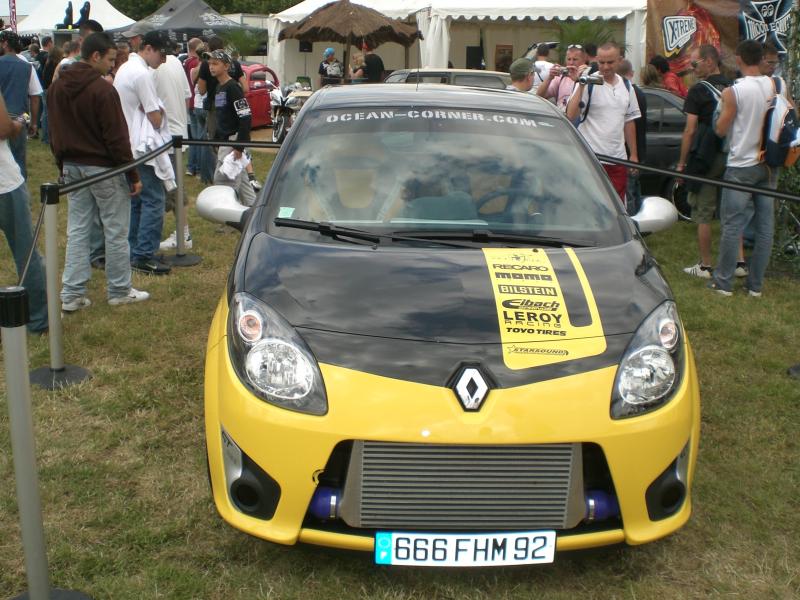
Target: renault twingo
{"x": 443, "y": 340}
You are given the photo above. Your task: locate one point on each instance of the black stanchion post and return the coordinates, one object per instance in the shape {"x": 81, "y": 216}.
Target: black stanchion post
{"x": 57, "y": 374}
{"x": 180, "y": 259}
{"x": 13, "y": 318}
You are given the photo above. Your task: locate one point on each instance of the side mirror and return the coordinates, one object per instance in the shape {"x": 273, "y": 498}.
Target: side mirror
{"x": 656, "y": 214}
{"x": 218, "y": 204}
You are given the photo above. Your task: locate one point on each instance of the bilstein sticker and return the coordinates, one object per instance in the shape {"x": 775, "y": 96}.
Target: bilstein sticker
{"x": 533, "y": 312}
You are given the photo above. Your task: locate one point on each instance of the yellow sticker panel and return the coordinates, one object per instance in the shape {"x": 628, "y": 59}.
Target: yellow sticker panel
{"x": 532, "y": 313}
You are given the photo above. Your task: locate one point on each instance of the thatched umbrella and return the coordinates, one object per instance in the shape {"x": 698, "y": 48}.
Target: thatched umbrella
{"x": 348, "y": 23}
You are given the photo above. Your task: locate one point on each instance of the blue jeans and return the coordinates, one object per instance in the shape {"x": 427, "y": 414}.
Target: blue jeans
{"x": 207, "y": 160}
{"x": 736, "y": 210}
{"x": 44, "y": 132}
{"x": 147, "y": 216}
{"x": 108, "y": 201}
{"x": 15, "y": 221}
{"x": 193, "y": 165}
{"x": 19, "y": 149}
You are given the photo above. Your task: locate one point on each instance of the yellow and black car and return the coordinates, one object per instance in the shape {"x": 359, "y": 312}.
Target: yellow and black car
{"x": 444, "y": 341}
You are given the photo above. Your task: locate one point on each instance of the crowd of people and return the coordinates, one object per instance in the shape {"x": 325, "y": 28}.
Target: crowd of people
{"x": 129, "y": 98}
{"x": 611, "y": 117}
{"x": 104, "y": 104}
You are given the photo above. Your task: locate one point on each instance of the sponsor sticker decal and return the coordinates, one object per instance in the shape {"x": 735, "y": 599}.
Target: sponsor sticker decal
{"x": 533, "y": 311}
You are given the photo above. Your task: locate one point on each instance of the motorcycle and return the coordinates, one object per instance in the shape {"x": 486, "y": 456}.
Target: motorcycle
{"x": 285, "y": 104}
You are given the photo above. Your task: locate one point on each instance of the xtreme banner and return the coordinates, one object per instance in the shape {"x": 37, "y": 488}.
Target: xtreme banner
{"x": 676, "y": 27}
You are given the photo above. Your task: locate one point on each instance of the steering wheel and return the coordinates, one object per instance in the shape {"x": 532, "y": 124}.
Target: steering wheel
{"x": 503, "y": 191}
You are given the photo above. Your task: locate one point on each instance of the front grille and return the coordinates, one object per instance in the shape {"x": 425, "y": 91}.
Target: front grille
{"x": 448, "y": 487}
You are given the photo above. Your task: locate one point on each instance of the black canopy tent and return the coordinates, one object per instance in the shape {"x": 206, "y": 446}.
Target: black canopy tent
{"x": 185, "y": 19}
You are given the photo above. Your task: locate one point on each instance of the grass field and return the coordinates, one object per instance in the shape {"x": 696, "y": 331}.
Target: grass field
{"x": 126, "y": 502}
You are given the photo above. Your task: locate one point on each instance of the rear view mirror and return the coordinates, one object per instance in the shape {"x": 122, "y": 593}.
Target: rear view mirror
{"x": 656, "y": 214}
{"x": 218, "y": 204}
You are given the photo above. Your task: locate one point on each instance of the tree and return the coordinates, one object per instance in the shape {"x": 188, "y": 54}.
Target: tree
{"x": 138, "y": 9}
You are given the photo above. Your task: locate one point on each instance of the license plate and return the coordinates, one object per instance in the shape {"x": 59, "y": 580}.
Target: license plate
{"x": 465, "y": 550}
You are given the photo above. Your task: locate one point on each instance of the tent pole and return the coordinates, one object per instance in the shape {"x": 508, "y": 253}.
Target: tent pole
{"x": 346, "y": 76}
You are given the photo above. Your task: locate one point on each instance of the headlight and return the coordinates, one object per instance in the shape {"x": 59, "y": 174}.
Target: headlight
{"x": 271, "y": 358}
{"x": 652, "y": 366}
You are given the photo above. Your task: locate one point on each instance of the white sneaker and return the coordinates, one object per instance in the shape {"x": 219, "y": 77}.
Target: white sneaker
{"x": 699, "y": 270}
{"x": 134, "y": 295}
{"x": 171, "y": 243}
{"x": 741, "y": 270}
{"x": 753, "y": 293}
{"x": 256, "y": 185}
{"x": 76, "y": 304}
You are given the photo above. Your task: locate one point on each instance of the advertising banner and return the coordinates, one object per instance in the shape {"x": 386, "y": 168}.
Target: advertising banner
{"x": 676, "y": 27}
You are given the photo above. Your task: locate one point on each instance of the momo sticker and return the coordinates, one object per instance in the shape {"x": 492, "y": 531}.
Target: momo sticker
{"x": 545, "y": 308}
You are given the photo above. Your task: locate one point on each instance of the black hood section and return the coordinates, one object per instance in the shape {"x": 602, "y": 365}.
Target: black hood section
{"x": 418, "y": 313}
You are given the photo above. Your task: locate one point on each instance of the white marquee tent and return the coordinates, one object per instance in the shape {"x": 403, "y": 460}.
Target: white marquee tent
{"x": 448, "y": 26}
{"x": 46, "y": 13}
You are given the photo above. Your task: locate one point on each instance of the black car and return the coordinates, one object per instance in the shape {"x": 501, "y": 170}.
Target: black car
{"x": 665, "y": 123}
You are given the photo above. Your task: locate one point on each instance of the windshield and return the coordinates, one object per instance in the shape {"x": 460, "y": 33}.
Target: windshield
{"x": 433, "y": 170}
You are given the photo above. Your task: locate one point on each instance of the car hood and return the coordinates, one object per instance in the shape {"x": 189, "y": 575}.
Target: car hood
{"x": 461, "y": 296}
{"x": 422, "y": 313}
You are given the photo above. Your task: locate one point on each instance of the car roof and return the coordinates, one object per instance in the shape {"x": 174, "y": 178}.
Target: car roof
{"x": 429, "y": 94}
{"x": 477, "y": 72}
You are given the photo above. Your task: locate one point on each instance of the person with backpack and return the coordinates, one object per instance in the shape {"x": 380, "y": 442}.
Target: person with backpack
{"x": 742, "y": 119}
{"x": 702, "y": 153}
{"x": 605, "y": 114}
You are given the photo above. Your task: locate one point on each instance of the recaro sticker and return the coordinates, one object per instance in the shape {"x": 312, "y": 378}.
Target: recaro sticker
{"x": 533, "y": 311}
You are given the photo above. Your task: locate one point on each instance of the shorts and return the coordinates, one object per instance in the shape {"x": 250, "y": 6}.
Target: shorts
{"x": 704, "y": 200}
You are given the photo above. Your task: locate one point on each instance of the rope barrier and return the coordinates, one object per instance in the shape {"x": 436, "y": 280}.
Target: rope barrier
{"x": 740, "y": 187}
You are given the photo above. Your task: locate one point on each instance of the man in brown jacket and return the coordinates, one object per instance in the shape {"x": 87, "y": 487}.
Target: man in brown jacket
{"x": 89, "y": 135}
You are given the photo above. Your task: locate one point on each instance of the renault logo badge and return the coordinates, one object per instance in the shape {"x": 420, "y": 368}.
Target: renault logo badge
{"x": 471, "y": 388}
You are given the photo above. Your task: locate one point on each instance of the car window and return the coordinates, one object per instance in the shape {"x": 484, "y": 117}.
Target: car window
{"x": 655, "y": 111}
{"x": 410, "y": 169}
{"x": 415, "y": 77}
{"x": 396, "y": 78}
{"x": 486, "y": 81}
{"x": 672, "y": 119}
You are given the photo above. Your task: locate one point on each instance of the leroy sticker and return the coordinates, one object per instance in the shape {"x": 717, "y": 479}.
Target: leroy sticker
{"x": 539, "y": 323}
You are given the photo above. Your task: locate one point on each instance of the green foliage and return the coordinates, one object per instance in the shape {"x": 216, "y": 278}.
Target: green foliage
{"x": 582, "y": 32}
{"x": 139, "y": 9}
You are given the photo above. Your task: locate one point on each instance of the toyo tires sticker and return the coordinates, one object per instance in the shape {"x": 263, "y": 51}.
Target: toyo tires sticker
{"x": 545, "y": 308}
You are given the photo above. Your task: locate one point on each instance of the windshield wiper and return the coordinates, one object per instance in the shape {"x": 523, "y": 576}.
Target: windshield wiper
{"x": 329, "y": 229}
{"x": 487, "y": 235}
{"x": 337, "y": 231}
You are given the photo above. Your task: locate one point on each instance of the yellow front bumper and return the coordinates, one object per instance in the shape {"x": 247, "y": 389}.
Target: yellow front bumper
{"x": 293, "y": 447}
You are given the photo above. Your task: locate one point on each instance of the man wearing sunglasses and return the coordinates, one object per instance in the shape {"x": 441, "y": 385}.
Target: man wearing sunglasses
{"x": 699, "y": 108}
{"x": 559, "y": 85}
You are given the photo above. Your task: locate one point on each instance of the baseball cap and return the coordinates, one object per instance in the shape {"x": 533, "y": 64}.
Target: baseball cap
{"x": 136, "y": 29}
{"x": 156, "y": 40}
{"x": 328, "y": 52}
{"x": 520, "y": 67}
{"x": 217, "y": 55}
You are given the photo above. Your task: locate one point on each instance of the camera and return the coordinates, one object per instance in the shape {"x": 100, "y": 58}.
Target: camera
{"x": 563, "y": 71}
{"x": 593, "y": 79}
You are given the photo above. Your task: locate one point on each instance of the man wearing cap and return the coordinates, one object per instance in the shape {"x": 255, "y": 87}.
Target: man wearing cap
{"x": 21, "y": 90}
{"x": 137, "y": 92}
{"x": 233, "y": 123}
{"x": 331, "y": 70}
{"x": 521, "y": 71}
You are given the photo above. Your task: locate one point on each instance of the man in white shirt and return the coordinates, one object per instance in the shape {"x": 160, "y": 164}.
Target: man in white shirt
{"x": 606, "y": 113}
{"x": 137, "y": 92}
{"x": 173, "y": 89}
{"x": 542, "y": 64}
{"x": 744, "y": 106}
